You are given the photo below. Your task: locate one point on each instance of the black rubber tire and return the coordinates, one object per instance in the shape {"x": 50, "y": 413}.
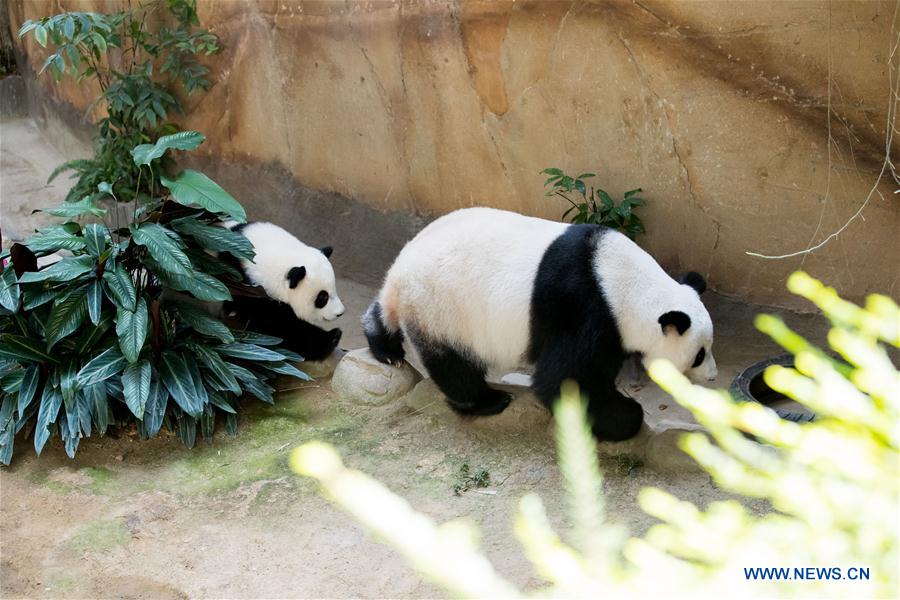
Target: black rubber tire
{"x": 740, "y": 387}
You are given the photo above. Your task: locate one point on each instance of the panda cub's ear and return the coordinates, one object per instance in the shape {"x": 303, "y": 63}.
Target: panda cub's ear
{"x": 694, "y": 280}
{"x": 295, "y": 275}
{"x": 677, "y": 319}
{"x": 327, "y": 250}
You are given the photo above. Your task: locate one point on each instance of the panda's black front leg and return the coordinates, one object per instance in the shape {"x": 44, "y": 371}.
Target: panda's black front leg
{"x": 614, "y": 416}
{"x": 460, "y": 377}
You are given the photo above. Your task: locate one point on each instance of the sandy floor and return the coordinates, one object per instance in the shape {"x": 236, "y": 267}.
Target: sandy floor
{"x": 153, "y": 519}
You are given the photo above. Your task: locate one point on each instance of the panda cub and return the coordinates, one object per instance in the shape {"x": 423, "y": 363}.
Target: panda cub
{"x": 300, "y": 287}
{"x": 483, "y": 289}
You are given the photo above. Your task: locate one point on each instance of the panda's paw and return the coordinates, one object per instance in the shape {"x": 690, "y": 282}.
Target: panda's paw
{"x": 334, "y": 337}
{"x": 490, "y": 403}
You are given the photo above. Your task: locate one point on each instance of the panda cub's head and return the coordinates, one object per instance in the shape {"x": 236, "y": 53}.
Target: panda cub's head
{"x": 292, "y": 272}
{"x": 311, "y": 288}
{"x": 685, "y": 332}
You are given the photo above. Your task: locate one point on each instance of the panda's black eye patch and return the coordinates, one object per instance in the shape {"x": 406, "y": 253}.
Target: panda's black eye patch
{"x": 699, "y": 360}
{"x": 322, "y": 299}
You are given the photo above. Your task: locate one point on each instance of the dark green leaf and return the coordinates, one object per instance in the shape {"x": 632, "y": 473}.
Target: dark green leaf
{"x": 21, "y": 348}
{"x": 251, "y": 337}
{"x": 30, "y": 381}
{"x": 94, "y": 300}
{"x": 58, "y": 237}
{"x": 193, "y": 188}
{"x": 202, "y": 322}
{"x": 208, "y": 423}
{"x": 10, "y": 294}
{"x": 66, "y": 316}
{"x": 163, "y": 249}
{"x": 96, "y": 396}
{"x": 552, "y": 171}
{"x": 155, "y": 409}
{"x": 217, "y": 367}
{"x": 90, "y": 336}
{"x": 198, "y": 284}
{"x": 216, "y": 400}
{"x": 131, "y": 327}
{"x": 285, "y": 368}
{"x": 215, "y": 238}
{"x": 231, "y": 424}
{"x": 178, "y": 381}
{"x": 102, "y": 367}
{"x": 136, "y": 387}
{"x": 249, "y": 352}
{"x": 120, "y": 287}
{"x": 66, "y": 269}
{"x": 95, "y": 238}
{"x": 631, "y": 193}
{"x": 51, "y": 400}
{"x": 68, "y": 383}
{"x": 85, "y": 206}
{"x": 183, "y": 140}
{"x": 187, "y": 430}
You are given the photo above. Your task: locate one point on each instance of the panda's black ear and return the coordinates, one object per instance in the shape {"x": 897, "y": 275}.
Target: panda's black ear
{"x": 327, "y": 250}
{"x": 295, "y": 275}
{"x": 695, "y": 280}
{"x": 677, "y": 319}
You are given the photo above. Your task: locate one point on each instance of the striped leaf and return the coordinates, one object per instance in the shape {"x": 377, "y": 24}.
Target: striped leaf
{"x": 20, "y": 348}
{"x": 131, "y": 327}
{"x": 66, "y": 316}
{"x": 108, "y": 363}
{"x": 162, "y": 248}
{"x": 136, "y": 386}
{"x": 178, "y": 381}
{"x": 94, "y": 300}
{"x": 120, "y": 287}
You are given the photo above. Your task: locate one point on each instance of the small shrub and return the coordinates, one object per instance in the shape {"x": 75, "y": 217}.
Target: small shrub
{"x": 90, "y": 341}
{"x": 139, "y": 71}
{"x": 593, "y": 205}
{"x": 833, "y": 485}
{"x": 466, "y": 479}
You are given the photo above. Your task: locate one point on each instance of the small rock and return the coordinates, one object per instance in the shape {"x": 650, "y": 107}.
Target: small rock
{"x": 119, "y": 457}
{"x": 320, "y": 369}
{"x": 361, "y": 379}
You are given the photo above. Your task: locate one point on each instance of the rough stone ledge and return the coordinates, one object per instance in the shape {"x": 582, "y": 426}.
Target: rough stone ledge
{"x": 361, "y": 379}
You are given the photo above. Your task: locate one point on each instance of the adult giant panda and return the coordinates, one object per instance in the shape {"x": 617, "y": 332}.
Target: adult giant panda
{"x": 301, "y": 299}
{"x": 483, "y": 289}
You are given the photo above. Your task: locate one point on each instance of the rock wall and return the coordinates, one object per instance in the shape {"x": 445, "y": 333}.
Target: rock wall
{"x": 751, "y": 126}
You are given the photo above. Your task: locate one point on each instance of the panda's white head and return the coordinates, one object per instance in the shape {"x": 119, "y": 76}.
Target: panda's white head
{"x": 311, "y": 290}
{"x": 684, "y": 333}
{"x": 292, "y": 272}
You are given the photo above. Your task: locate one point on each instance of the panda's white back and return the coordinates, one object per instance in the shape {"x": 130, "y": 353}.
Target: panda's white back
{"x": 468, "y": 279}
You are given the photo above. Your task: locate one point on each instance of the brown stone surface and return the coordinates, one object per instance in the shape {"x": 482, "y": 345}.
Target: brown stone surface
{"x": 751, "y": 126}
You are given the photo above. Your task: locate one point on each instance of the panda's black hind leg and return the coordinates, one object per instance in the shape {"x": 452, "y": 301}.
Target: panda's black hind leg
{"x": 461, "y": 379}
{"x": 386, "y": 345}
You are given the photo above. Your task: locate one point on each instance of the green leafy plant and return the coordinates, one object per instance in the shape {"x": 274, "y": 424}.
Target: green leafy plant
{"x": 832, "y": 484}
{"x": 593, "y": 205}
{"x": 138, "y": 70}
{"x": 467, "y": 480}
{"x": 117, "y": 332}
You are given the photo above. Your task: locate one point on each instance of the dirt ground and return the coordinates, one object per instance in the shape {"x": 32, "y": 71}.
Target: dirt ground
{"x": 155, "y": 520}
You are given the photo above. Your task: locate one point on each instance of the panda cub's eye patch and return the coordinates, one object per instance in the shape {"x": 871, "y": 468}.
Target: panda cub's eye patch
{"x": 699, "y": 360}
{"x": 322, "y": 299}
